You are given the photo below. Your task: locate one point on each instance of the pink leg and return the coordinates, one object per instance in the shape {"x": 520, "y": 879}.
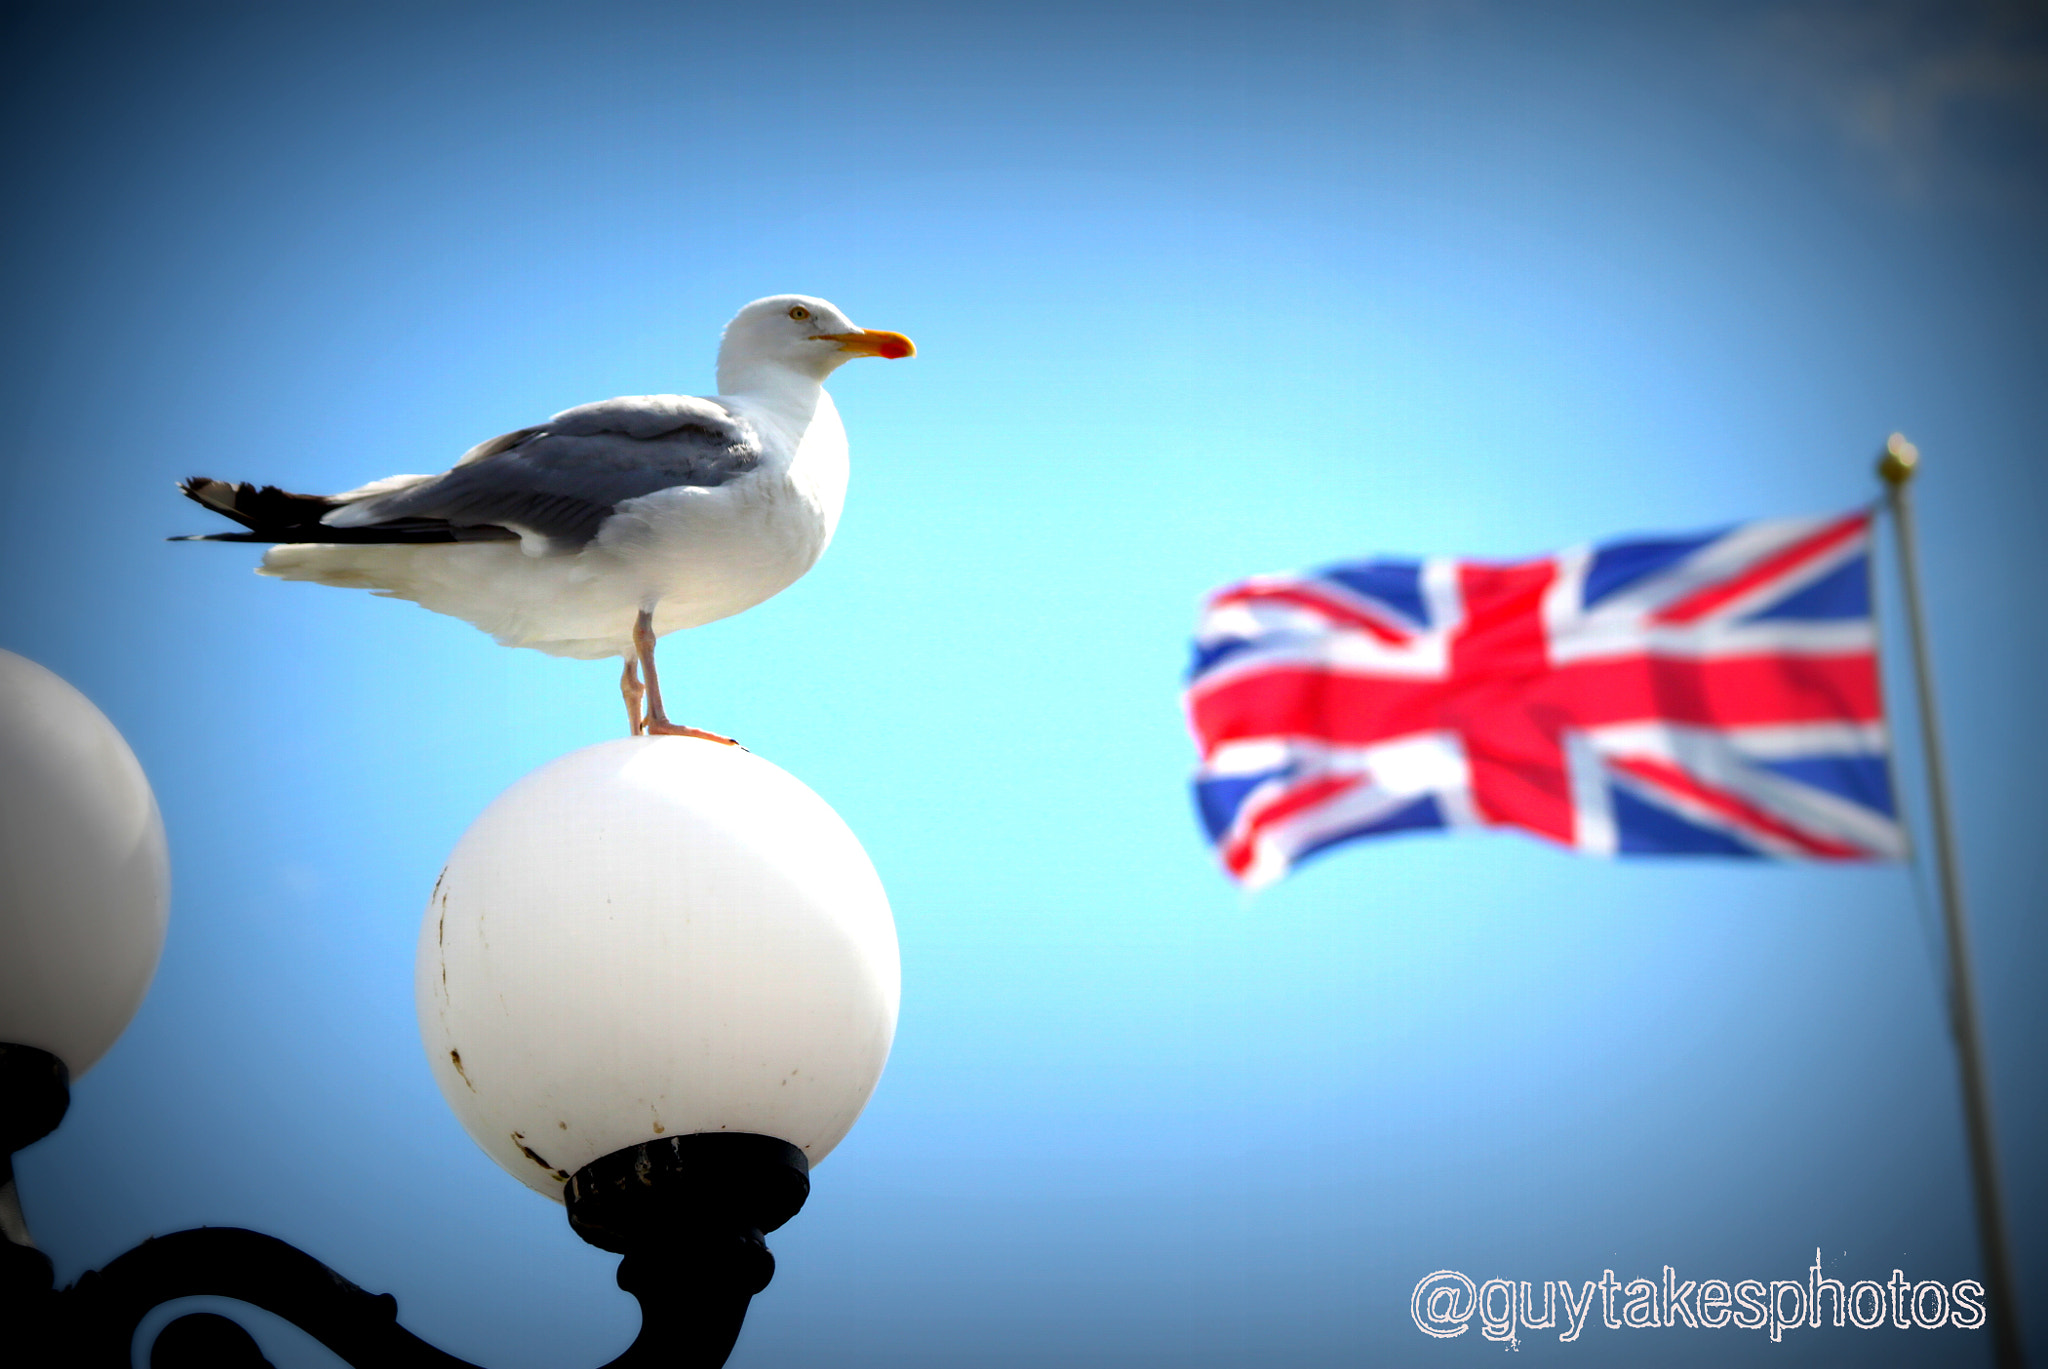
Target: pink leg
{"x": 658, "y": 724}
{"x": 634, "y": 692}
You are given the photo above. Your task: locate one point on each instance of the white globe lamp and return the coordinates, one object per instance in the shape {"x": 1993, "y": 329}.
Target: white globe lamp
{"x": 658, "y": 980}
{"x": 84, "y": 876}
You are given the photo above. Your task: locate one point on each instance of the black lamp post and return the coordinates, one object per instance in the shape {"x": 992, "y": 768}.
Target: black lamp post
{"x": 687, "y": 1212}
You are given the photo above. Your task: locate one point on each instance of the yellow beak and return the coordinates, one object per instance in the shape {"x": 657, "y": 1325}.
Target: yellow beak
{"x": 872, "y": 342}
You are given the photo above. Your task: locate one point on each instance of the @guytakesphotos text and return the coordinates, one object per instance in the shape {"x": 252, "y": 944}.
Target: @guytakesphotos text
{"x": 1447, "y": 1303}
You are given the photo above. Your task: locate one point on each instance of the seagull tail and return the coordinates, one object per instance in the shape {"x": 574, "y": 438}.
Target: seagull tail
{"x": 270, "y": 514}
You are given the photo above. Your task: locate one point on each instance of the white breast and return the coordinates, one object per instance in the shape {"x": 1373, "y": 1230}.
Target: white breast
{"x": 703, "y": 554}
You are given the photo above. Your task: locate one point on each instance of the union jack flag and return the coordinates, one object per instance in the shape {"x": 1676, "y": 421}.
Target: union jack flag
{"x": 1713, "y": 694}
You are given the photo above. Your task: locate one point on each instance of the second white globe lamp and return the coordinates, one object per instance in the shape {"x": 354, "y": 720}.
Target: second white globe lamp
{"x": 84, "y": 876}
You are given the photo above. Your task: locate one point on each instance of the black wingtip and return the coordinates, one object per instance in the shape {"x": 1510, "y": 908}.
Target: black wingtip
{"x": 269, "y": 513}
{"x": 217, "y": 495}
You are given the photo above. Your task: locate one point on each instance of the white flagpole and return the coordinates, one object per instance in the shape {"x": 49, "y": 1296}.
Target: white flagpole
{"x": 1896, "y": 467}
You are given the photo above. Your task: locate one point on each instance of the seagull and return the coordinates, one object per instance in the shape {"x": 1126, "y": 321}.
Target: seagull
{"x": 611, "y": 524}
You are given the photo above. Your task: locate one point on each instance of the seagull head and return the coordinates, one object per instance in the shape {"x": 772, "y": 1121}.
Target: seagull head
{"x": 800, "y": 334}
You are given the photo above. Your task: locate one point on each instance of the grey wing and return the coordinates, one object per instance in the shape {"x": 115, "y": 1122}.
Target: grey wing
{"x": 562, "y": 479}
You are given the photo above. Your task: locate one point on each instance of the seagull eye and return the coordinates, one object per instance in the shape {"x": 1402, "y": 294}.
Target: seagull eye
{"x": 797, "y": 311}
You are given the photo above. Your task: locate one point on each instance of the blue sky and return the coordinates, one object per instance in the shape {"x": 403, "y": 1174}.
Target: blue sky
{"x": 1199, "y": 291}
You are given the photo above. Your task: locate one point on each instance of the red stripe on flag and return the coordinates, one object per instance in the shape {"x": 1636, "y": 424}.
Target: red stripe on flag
{"x": 1669, "y": 777}
{"x": 1500, "y": 661}
{"x": 1308, "y": 599}
{"x": 1702, "y": 602}
{"x": 1723, "y": 691}
{"x": 1351, "y": 709}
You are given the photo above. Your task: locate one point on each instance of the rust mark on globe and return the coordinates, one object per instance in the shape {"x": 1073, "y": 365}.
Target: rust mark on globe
{"x": 561, "y": 1176}
{"x": 455, "y": 1059}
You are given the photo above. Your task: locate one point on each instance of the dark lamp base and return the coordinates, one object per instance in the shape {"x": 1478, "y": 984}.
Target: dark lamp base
{"x": 688, "y": 1213}
{"x": 712, "y": 1182}
{"x": 35, "y": 1092}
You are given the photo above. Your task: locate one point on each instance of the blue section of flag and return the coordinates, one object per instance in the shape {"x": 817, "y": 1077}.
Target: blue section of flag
{"x": 1644, "y": 829}
{"x": 1217, "y": 800}
{"x": 1397, "y": 584}
{"x": 1618, "y": 565}
{"x": 1210, "y": 654}
{"x": 1423, "y": 813}
{"x": 1865, "y": 780}
{"x": 1843, "y": 592}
